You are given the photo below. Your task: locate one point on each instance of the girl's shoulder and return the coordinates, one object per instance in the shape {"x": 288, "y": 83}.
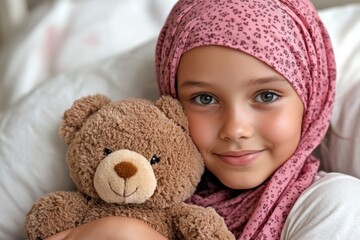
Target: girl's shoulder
{"x": 328, "y": 209}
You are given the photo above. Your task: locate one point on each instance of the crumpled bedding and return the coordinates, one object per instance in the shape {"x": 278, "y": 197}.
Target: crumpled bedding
{"x": 66, "y": 35}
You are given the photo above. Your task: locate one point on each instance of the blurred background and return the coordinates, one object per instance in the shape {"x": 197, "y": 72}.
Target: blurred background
{"x": 13, "y": 13}
{"x": 42, "y": 38}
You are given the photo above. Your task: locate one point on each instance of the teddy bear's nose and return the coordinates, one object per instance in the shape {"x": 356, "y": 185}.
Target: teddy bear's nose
{"x": 125, "y": 169}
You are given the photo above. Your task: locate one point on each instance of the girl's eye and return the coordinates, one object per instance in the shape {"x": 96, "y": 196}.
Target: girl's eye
{"x": 154, "y": 159}
{"x": 107, "y": 151}
{"x": 204, "y": 99}
{"x": 266, "y": 97}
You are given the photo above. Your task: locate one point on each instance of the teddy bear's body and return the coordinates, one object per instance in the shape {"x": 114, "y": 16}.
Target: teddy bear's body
{"x": 132, "y": 158}
{"x": 174, "y": 222}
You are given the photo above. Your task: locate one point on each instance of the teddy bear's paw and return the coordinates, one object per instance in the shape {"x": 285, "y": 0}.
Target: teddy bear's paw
{"x": 222, "y": 234}
{"x": 54, "y": 213}
{"x": 200, "y": 223}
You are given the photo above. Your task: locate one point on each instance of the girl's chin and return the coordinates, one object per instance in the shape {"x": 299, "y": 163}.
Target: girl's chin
{"x": 236, "y": 182}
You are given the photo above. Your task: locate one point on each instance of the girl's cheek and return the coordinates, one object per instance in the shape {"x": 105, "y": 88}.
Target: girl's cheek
{"x": 195, "y": 127}
{"x": 283, "y": 127}
{"x": 201, "y": 130}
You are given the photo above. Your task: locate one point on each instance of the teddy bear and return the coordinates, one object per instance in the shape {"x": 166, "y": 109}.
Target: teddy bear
{"x": 131, "y": 158}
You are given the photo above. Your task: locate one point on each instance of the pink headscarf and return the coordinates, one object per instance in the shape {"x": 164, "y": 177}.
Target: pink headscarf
{"x": 288, "y": 36}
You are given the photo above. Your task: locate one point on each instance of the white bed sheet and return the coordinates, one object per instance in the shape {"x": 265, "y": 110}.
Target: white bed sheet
{"x": 65, "y": 35}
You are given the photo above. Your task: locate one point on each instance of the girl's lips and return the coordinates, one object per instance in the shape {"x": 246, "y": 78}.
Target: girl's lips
{"x": 242, "y": 158}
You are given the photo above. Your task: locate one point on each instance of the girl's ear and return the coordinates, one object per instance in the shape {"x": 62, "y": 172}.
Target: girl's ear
{"x": 75, "y": 117}
{"x": 172, "y": 108}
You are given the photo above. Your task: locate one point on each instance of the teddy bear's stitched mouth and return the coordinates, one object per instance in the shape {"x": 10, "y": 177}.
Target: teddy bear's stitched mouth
{"x": 123, "y": 195}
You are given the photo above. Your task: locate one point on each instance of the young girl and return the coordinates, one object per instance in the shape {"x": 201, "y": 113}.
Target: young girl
{"x": 256, "y": 79}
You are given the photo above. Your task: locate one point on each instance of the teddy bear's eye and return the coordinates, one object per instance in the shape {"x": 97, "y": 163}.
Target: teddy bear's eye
{"x": 154, "y": 159}
{"x": 107, "y": 151}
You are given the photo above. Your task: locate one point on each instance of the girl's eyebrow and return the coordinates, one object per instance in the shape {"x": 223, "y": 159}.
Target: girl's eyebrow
{"x": 194, "y": 83}
{"x": 266, "y": 80}
{"x": 255, "y": 81}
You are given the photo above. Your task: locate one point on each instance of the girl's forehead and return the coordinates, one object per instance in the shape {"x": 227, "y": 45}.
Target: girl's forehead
{"x": 215, "y": 67}
{"x": 213, "y": 58}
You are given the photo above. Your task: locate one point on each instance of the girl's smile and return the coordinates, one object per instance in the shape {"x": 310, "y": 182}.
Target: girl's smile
{"x": 239, "y": 158}
{"x": 244, "y": 117}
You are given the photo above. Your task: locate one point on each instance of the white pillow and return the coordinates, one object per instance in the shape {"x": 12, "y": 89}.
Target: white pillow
{"x": 340, "y": 150}
{"x": 320, "y": 4}
{"x": 31, "y": 152}
{"x": 64, "y": 35}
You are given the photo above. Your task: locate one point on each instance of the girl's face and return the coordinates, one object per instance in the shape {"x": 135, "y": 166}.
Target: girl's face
{"x": 244, "y": 117}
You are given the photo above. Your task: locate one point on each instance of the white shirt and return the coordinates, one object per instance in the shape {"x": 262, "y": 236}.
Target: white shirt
{"x": 329, "y": 209}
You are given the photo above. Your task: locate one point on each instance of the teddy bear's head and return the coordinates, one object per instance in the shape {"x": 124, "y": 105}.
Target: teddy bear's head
{"x": 131, "y": 151}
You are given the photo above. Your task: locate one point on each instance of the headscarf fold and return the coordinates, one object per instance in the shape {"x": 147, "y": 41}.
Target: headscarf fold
{"x": 289, "y": 36}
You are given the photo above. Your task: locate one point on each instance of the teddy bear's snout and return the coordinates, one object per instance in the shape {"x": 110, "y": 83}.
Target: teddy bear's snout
{"x": 125, "y": 169}
{"x": 125, "y": 176}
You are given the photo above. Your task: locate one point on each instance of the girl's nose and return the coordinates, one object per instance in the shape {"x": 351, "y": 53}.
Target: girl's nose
{"x": 236, "y": 124}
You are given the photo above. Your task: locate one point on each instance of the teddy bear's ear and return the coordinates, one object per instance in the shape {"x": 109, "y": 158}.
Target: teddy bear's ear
{"x": 172, "y": 108}
{"x": 75, "y": 117}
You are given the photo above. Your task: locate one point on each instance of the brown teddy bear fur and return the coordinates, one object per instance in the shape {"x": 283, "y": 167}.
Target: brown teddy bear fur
{"x": 160, "y": 157}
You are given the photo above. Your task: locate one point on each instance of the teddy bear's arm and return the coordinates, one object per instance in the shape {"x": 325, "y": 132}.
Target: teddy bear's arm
{"x": 194, "y": 222}
{"x": 54, "y": 213}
